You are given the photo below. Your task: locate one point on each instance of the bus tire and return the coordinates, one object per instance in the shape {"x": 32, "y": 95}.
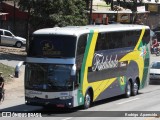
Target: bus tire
{"x": 135, "y": 88}
{"x": 87, "y": 100}
{"x": 128, "y": 89}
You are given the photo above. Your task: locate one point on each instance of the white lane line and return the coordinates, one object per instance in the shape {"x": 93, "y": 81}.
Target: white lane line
{"x": 67, "y": 118}
{"x": 128, "y": 101}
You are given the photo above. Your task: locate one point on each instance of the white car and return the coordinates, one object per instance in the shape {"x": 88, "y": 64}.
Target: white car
{"x": 8, "y": 38}
{"x": 155, "y": 70}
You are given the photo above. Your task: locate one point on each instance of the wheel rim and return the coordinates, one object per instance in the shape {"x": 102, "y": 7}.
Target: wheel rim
{"x": 135, "y": 87}
{"x": 87, "y": 100}
{"x": 18, "y": 44}
{"x": 128, "y": 89}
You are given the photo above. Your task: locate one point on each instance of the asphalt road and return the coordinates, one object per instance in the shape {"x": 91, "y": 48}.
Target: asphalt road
{"x": 147, "y": 100}
{"x": 122, "y": 108}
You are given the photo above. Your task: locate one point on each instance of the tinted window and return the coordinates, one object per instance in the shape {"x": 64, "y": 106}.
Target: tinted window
{"x": 146, "y": 37}
{"x": 7, "y": 33}
{"x": 112, "y": 40}
{"x": 131, "y": 38}
{"x": 102, "y": 42}
{"x": 52, "y": 46}
{"x": 1, "y": 32}
{"x": 156, "y": 65}
{"x": 48, "y": 77}
{"x": 81, "y": 44}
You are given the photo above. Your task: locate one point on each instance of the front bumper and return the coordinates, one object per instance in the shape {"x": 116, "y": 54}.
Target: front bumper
{"x": 155, "y": 76}
{"x": 68, "y": 103}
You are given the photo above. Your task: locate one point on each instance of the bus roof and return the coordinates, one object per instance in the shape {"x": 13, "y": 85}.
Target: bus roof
{"x": 77, "y": 30}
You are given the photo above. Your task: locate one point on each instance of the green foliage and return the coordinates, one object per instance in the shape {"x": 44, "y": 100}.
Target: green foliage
{"x": 7, "y": 71}
{"x": 50, "y": 13}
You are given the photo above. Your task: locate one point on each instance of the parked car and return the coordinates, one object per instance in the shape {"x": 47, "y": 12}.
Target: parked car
{"x": 155, "y": 71}
{"x": 8, "y": 38}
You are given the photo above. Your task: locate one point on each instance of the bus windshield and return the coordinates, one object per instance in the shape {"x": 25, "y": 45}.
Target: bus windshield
{"x": 52, "y": 46}
{"x": 48, "y": 77}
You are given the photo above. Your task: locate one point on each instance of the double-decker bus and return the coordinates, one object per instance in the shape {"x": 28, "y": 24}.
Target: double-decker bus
{"x": 77, "y": 65}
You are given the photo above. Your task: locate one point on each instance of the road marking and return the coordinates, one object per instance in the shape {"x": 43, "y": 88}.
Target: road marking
{"x": 128, "y": 101}
{"x": 67, "y": 118}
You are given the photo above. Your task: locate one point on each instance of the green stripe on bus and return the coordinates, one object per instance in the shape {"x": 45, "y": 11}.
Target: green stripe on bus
{"x": 80, "y": 95}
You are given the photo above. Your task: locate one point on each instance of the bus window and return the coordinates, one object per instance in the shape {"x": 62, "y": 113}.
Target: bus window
{"x": 115, "y": 39}
{"x": 52, "y": 46}
{"x": 82, "y": 41}
{"x": 146, "y": 38}
{"x": 101, "y": 42}
{"x": 81, "y": 44}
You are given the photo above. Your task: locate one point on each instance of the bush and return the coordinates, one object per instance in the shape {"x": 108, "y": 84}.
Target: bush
{"x": 7, "y": 72}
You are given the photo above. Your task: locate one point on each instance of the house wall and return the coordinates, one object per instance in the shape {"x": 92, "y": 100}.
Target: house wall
{"x": 154, "y": 15}
{"x": 16, "y": 20}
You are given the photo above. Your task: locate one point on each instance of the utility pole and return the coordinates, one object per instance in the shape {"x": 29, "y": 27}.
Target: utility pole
{"x": 1, "y": 12}
{"x": 90, "y": 16}
{"x": 134, "y": 11}
{"x": 14, "y": 17}
{"x": 28, "y": 26}
{"x": 135, "y": 5}
{"x": 112, "y": 3}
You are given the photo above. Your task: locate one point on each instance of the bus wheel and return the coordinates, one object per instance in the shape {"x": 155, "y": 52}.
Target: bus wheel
{"x": 128, "y": 89}
{"x": 87, "y": 100}
{"x": 135, "y": 88}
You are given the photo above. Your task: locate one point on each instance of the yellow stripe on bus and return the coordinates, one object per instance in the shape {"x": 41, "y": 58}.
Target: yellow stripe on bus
{"x": 99, "y": 86}
{"x": 140, "y": 39}
{"x": 135, "y": 56}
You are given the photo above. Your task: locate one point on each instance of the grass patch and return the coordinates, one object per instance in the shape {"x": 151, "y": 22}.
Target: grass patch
{"x": 7, "y": 71}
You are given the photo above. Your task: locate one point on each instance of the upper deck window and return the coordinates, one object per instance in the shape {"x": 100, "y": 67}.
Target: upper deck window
{"x": 52, "y": 46}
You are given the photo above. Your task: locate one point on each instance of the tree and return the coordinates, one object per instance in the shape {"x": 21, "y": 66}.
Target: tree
{"x": 50, "y": 13}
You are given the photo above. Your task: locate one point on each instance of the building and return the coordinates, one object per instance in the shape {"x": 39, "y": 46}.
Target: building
{"x": 119, "y": 15}
{"x": 148, "y": 14}
{"x": 15, "y": 20}
{"x": 3, "y": 18}
{"x": 154, "y": 7}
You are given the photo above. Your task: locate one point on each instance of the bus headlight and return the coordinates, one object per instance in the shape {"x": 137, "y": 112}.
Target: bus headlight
{"x": 65, "y": 97}
{"x": 73, "y": 70}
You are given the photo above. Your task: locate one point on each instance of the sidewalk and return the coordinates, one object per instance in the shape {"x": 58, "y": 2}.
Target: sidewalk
{"x": 14, "y": 90}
